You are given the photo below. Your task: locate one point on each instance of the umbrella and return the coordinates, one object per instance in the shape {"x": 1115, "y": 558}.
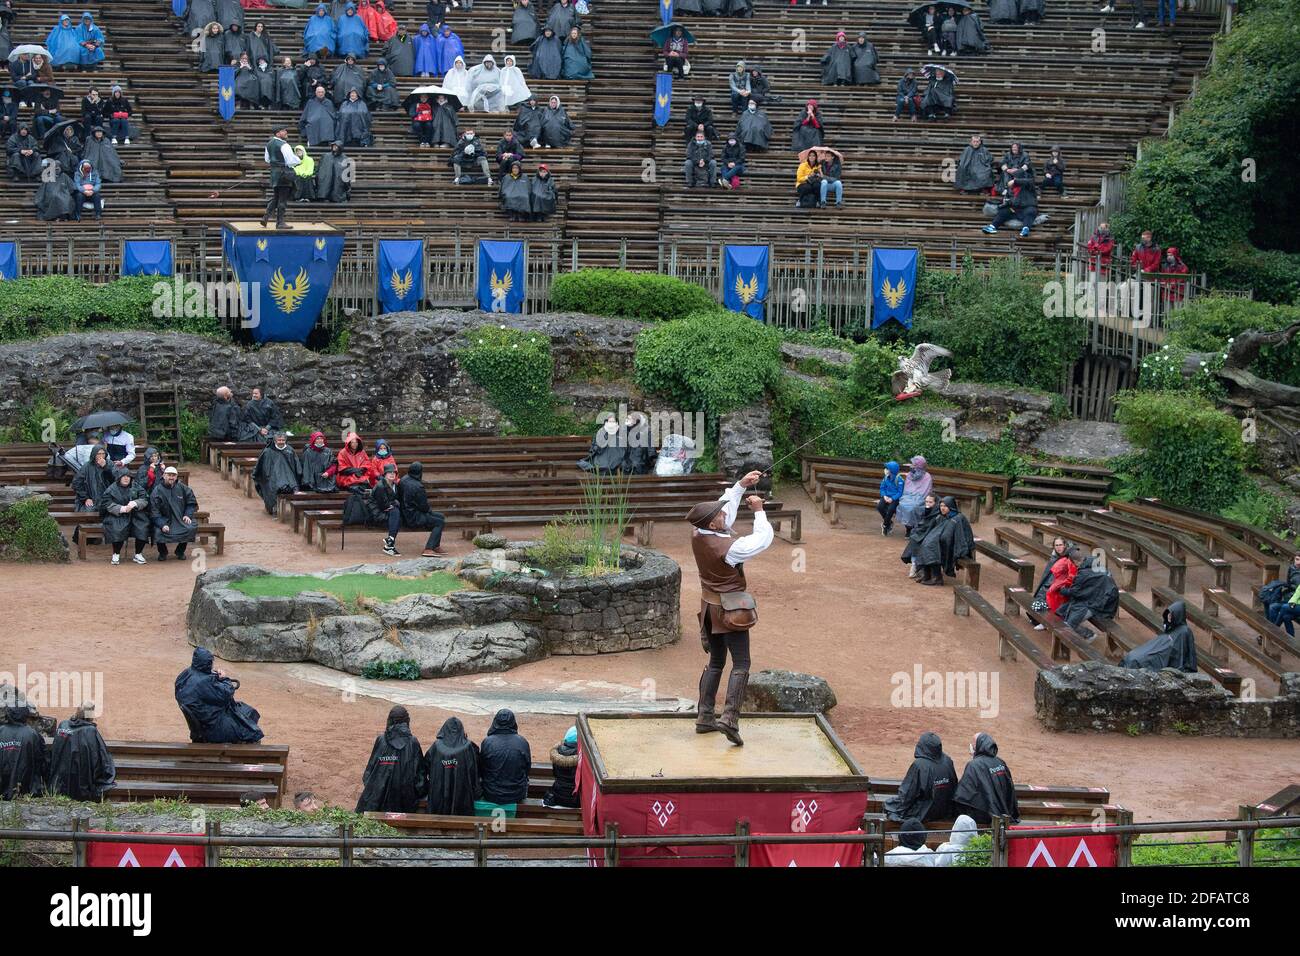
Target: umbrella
{"x": 99, "y": 420}
{"x": 916, "y": 17}
{"x": 32, "y": 92}
{"x": 931, "y": 67}
{"x": 434, "y": 92}
{"x": 661, "y": 34}
{"x": 26, "y": 48}
{"x": 57, "y": 130}
{"x": 803, "y": 156}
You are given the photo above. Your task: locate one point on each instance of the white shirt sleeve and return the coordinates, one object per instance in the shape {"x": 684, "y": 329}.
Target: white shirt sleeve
{"x": 290, "y": 157}
{"x": 753, "y": 544}
{"x": 266, "y": 156}
{"x": 732, "y": 498}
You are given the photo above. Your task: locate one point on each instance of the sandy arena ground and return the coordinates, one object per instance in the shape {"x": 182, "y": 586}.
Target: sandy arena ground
{"x": 839, "y": 605}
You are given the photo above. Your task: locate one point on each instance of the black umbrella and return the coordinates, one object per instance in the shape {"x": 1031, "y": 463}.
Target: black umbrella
{"x": 917, "y": 15}
{"x": 99, "y": 420}
{"x": 55, "y": 131}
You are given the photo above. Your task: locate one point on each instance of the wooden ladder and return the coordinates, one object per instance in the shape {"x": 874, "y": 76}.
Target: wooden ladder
{"x": 160, "y": 420}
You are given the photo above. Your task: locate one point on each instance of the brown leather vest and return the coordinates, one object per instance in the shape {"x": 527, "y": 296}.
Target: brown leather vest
{"x": 716, "y": 574}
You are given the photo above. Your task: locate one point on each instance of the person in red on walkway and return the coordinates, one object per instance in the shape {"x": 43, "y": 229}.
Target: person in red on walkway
{"x": 353, "y": 466}
{"x": 1146, "y": 254}
{"x": 1101, "y": 246}
{"x": 1172, "y": 286}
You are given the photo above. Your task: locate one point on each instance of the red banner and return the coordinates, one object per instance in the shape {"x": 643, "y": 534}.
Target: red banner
{"x": 1099, "y": 849}
{"x": 144, "y": 854}
{"x": 806, "y": 854}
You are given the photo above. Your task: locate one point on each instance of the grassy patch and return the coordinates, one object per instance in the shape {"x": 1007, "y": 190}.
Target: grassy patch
{"x": 350, "y": 587}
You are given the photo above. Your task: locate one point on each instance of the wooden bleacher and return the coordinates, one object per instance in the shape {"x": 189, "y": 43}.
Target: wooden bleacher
{"x": 199, "y": 773}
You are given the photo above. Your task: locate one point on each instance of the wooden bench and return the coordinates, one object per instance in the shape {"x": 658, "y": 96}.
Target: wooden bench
{"x": 1218, "y": 539}
{"x": 1024, "y": 569}
{"x": 200, "y": 773}
{"x": 1140, "y": 546}
{"x": 1274, "y": 639}
{"x": 1206, "y": 661}
{"x": 1064, "y": 638}
{"x": 446, "y": 823}
{"x": 1222, "y": 637}
{"x": 1088, "y": 540}
{"x": 1180, "y": 544}
{"x": 1010, "y": 638}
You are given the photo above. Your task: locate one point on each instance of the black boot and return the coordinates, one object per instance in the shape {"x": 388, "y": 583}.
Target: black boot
{"x": 933, "y": 576}
{"x": 729, "y": 722}
{"x": 706, "y": 719}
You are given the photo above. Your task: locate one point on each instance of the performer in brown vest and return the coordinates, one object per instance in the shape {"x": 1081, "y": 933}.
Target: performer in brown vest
{"x": 726, "y": 609}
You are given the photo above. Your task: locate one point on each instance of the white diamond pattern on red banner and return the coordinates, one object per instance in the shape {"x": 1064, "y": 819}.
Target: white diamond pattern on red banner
{"x": 803, "y": 813}
{"x": 663, "y": 811}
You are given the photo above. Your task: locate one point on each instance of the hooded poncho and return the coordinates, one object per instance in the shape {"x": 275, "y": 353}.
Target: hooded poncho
{"x": 1175, "y": 648}
{"x": 167, "y": 508}
{"x": 63, "y": 43}
{"x": 557, "y": 129}
{"x": 575, "y": 61}
{"x": 916, "y": 486}
{"x": 395, "y": 776}
{"x": 118, "y": 524}
{"x": 23, "y": 756}
{"x": 504, "y": 761}
{"x": 975, "y": 168}
{"x": 209, "y": 706}
{"x": 81, "y": 767}
{"x": 353, "y": 37}
{"x": 319, "y": 34}
{"x": 426, "y": 53}
{"x": 986, "y": 788}
{"x": 927, "y": 789}
{"x": 523, "y": 24}
{"x": 354, "y": 123}
{"x": 548, "y": 58}
{"x": 453, "y": 771}
{"x": 513, "y": 86}
{"x": 319, "y": 121}
{"x": 447, "y": 46}
{"x": 276, "y": 473}
{"x": 314, "y": 462}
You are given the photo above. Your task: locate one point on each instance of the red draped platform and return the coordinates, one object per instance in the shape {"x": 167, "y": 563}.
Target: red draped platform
{"x": 651, "y": 774}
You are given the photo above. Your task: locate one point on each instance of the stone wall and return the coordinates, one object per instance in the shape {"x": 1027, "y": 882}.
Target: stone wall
{"x": 1093, "y": 696}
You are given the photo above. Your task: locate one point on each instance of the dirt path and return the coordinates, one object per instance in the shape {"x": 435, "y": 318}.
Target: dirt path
{"x": 839, "y": 606}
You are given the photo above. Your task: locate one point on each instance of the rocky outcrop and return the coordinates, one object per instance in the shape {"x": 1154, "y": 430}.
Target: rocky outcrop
{"x": 1095, "y": 441}
{"x": 788, "y": 692}
{"x": 399, "y": 368}
{"x": 1093, "y": 696}
{"x": 745, "y": 440}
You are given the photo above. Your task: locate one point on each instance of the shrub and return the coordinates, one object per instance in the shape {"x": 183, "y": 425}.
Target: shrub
{"x": 1189, "y": 452}
{"x": 405, "y": 669}
{"x": 873, "y": 365}
{"x": 1163, "y": 372}
{"x": 28, "y": 533}
{"x": 515, "y": 368}
{"x": 710, "y": 361}
{"x": 1211, "y": 323}
{"x": 991, "y": 318}
{"x": 1258, "y": 507}
{"x": 632, "y": 295}
{"x": 40, "y": 306}
{"x": 43, "y": 421}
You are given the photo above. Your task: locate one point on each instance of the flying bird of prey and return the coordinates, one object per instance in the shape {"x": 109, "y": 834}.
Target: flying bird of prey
{"x": 914, "y": 375}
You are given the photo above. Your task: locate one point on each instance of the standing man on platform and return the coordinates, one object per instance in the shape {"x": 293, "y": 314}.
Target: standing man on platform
{"x": 727, "y": 611}
{"x": 281, "y": 158}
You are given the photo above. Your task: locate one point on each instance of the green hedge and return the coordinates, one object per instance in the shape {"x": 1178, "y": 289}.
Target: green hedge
{"x": 1207, "y": 324}
{"x": 992, "y": 319}
{"x": 712, "y": 362}
{"x": 632, "y": 295}
{"x": 28, "y": 533}
{"x": 515, "y": 368}
{"x": 1189, "y": 188}
{"x": 1188, "y": 452}
{"x": 52, "y": 305}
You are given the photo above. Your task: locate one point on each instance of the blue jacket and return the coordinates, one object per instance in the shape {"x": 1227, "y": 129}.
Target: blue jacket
{"x": 891, "y": 486}
{"x": 80, "y": 180}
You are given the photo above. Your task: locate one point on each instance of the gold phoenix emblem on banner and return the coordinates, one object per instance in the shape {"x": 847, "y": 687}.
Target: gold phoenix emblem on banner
{"x": 747, "y": 291}
{"x": 894, "y": 294}
{"x": 289, "y": 295}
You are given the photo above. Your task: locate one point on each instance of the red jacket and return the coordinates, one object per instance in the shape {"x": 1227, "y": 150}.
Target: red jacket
{"x": 1146, "y": 258}
{"x": 348, "y": 458}
{"x": 1100, "y": 249}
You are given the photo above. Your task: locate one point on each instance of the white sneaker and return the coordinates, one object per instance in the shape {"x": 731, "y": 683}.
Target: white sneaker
{"x": 1039, "y": 627}
{"x": 127, "y": 141}
{"x": 1139, "y": 26}
{"x": 114, "y": 140}
{"x": 139, "y": 559}
{"x": 116, "y": 559}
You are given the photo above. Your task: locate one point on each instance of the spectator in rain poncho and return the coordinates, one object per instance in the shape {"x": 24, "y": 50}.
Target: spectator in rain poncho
{"x": 485, "y": 88}
{"x": 563, "y": 18}
{"x": 347, "y": 76}
{"x": 260, "y": 44}
{"x": 940, "y": 99}
{"x": 426, "y": 52}
{"x": 809, "y": 129}
{"x": 150, "y": 472}
{"x": 970, "y": 33}
{"x": 81, "y": 768}
{"x": 837, "y": 63}
{"x": 199, "y": 14}
{"x": 963, "y": 831}
{"x": 1004, "y": 11}
{"x": 542, "y": 193}
{"x": 24, "y": 758}
{"x": 528, "y": 123}
{"x": 207, "y": 701}
{"x": 986, "y": 788}
{"x": 23, "y": 154}
{"x": 288, "y": 86}
{"x": 354, "y": 121}
{"x": 509, "y": 151}
{"x": 86, "y": 187}
{"x": 453, "y": 771}
{"x": 911, "y": 849}
{"x": 421, "y": 113}
{"x": 223, "y": 417}
{"x": 265, "y": 83}
{"x": 447, "y": 47}
{"x": 890, "y": 494}
{"x": 956, "y": 539}
{"x": 523, "y": 23}
{"x": 124, "y": 513}
{"x": 922, "y": 549}
{"x": 276, "y": 473}
{"x": 319, "y": 121}
{"x": 753, "y": 128}
{"x": 1060, "y": 549}
{"x": 513, "y": 86}
{"x": 334, "y": 175}
{"x": 456, "y": 82}
{"x": 304, "y": 176}
{"x": 320, "y": 35}
{"x": 606, "y": 454}
{"x": 417, "y": 513}
{"x": 515, "y": 195}
{"x": 548, "y": 56}
{"x": 1092, "y": 594}
{"x": 916, "y": 486}
{"x": 248, "y": 92}
{"x": 557, "y": 128}
{"x": 91, "y": 40}
{"x": 576, "y": 57}
{"x": 213, "y": 57}
{"x": 1175, "y": 647}
{"x": 443, "y": 127}
{"x": 505, "y": 760}
{"x": 260, "y": 418}
{"x": 235, "y": 43}
{"x": 172, "y": 509}
{"x": 385, "y": 23}
{"x": 927, "y": 790}
{"x": 92, "y": 479}
{"x": 399, "y": 51}
{"x": 381, "y": 88}
{"x": 677, "y": 456}
{"x": 353, "y": 37}
{"x": 315, "y": 464}
{"x": 975, "y": 167}
{"x": 396, "y": 775}
{"x": 66, "y": 150}
{"x": 865, "y": 62}
{"x": 230, "y": 12}
{"x": 64, "y": 47}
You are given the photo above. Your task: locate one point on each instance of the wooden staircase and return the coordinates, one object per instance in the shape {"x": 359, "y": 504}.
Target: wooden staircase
{"x": 160, "y": 420}
{"x": 1064, "y": 488}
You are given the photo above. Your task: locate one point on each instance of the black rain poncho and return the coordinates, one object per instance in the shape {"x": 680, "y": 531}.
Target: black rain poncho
{"x": 81, "y": 767}
{"x": 413, "y": 500}
{"x": 956, "y": 539}
{"x": 926, "y": 526}
{"x": 167, "y": 506}
{"x": 927, "y": 790}
{"x": 381, "y": 89}
{"x": 313, "y": 463}
{"x": 940, "y": 96}
{"x": 256, "y": 415}
{"x": 865, "y": 64}
{"x": 557, "y": 128}
{"x": 26, "y": 167}
{"x": 970, "y": 35}
{"x": 1094, "y": 589}
{"x": 276, "y": 473}
{"x": 223, "y": 419}
{"x": 548, "y": 58}
{"x": 55, "y": 198}
{"x": 562, "y": 19}
{"x": 209, "y": 706}
{"x": 199, "y": 14}
{"x": 1004, "y": 11}
{"x": 515, "y": 194}
{"x": 23, "y": 756}
{"x": 837, "y": 65}
{"x": 247, "y": 87}
{"x": 504, "y": 761}
{"x": 986, "y": 788}
{"x": 118, "y": 524}
{"x": 523, "y": 24}
{"x": 354, "y": 123}
{"x": 288, "y": 88}
{"x": 975, "y": 169}
{"x": 319, "y": 121}
{"x": 102, "y": 154}
{"x": 332, "y": 184}
{"x": 754, "y": 129}
{"x": 399, "y": 51}
{"x": 528, "y": 123}
{"x": 453, "y": 771}
{"x": 446, "y": 129}
{"x": 396, "y": 775}
{"x": 90, "y": 481}
{"x": 1175, "y": 648}
{"x": 542, "y": 195}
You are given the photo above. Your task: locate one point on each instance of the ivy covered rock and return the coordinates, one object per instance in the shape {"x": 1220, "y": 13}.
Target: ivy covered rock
{"x": 27, "y": 532}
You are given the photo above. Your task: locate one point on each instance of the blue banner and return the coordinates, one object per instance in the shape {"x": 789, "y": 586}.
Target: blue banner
{"x": 500, "y": 276}
{"x": 226, "y": 92}
{"x": 147, "y": 257}
{"x": 893, "y": 286}
{"x": 284, "y": 280}
{"x": 179, "y": 7}
{"x": 744, "y": 279}
{"x": 8, "y": 260}
{"x": 663, "y": 98}
{"x": 400, "y": 274}
{"x": 666, "y": 11}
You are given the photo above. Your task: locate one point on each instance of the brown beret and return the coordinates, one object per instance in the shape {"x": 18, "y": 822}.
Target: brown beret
{"x": 700, "y": 515}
